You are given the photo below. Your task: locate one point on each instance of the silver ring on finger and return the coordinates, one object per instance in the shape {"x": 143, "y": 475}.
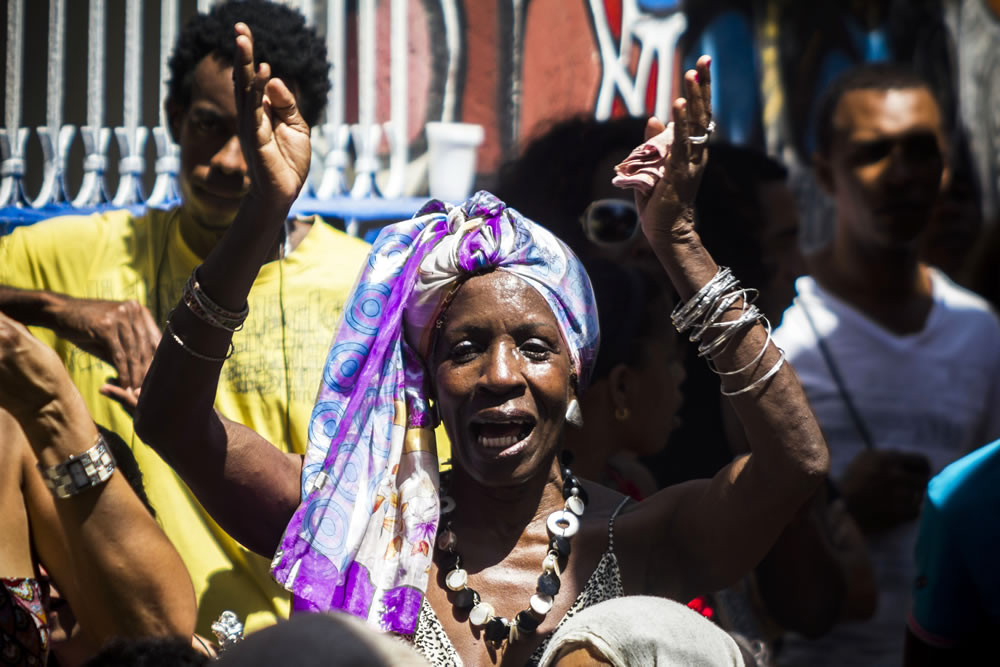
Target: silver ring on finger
{"x": 703, "y": 138}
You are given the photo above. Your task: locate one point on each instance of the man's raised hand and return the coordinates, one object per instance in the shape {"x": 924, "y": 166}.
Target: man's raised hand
{"x": 273, "y": 134}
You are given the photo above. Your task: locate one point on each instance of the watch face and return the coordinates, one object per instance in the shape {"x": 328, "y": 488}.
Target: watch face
{"x": 78, "y": 474}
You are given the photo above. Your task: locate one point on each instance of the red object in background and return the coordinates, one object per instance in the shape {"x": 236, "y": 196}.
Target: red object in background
{"x": 700, "y": 605}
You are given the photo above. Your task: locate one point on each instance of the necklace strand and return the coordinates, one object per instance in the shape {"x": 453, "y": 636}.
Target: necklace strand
{"x": 562, "y": 525}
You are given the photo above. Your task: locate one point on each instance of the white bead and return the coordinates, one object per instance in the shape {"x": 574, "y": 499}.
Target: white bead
{"x": 541, "y": 603}
{"x": 457, "y": 579}
{"x": 481, "y": 614}
{"x": 575, "y": 505}
{"x": 563, "y": 524}
{"x": 447, "y": 504}
{"x": 551, "y": 564}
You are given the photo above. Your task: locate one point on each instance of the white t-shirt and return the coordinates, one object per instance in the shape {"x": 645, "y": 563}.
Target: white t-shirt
{"x": 935, "y": 392}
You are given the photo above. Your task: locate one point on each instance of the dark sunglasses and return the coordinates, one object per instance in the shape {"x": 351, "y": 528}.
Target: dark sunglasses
{"x": 610, "y": 221}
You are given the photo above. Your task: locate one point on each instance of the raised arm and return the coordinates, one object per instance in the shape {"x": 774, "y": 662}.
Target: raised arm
{"x": 250, "y": 487}
{"x": 717, "y": 530}
{"x": 102, "y": 547}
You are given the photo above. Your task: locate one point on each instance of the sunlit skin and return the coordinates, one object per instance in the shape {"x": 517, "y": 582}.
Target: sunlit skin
{"x": 502, "y": 369}
{"x": 499, "y": 350}
{"x": 214, "y": 177}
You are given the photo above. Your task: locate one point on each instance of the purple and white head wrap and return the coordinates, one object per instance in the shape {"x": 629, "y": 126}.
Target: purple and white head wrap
{"x": 363, "y": 537}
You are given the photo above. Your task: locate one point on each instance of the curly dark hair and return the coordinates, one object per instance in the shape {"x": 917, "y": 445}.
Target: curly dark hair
{"x": 281, "y": 38}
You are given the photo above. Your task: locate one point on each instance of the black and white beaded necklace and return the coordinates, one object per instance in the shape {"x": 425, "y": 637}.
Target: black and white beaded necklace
{"x": 562, "y": 525}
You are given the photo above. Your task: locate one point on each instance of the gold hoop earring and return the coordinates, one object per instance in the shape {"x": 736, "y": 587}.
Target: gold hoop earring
{"x": 621, "y": 414}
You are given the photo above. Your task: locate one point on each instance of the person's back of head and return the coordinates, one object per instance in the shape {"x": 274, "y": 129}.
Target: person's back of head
{"x": 640, "y": 630}
{"x": 631, "y": 308}
{"x": 729, "y": 215}
{"x": 560, "y": 171}
{"x": 321, "y": 640}
{"x": 148, "y": 652}
{"x": 281, "y": 38}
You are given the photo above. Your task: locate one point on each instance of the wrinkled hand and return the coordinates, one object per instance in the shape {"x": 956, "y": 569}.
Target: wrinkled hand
{"x": 668, "y": 210}
{"x": 273, "y": 134}
{"x": 122, "y": 333}
{"x": 883, "y": 488}
{"x": 31, "y": 374}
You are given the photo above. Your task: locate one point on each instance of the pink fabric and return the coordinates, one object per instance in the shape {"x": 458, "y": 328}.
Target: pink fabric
{"x": 647, "y": 164}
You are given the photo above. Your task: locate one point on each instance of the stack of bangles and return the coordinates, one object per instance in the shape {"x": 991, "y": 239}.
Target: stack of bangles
{"x": 209, "y": 312}
{"x": 703, "y": 314}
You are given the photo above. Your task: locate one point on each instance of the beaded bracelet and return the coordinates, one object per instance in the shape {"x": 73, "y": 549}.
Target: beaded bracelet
{"x": 194, "y": 353}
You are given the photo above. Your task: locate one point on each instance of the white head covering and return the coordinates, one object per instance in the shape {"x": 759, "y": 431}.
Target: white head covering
{"x": 641, "y": 630}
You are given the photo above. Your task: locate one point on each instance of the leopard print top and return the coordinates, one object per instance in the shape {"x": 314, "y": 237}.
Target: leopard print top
{"x": 605, "y": 583}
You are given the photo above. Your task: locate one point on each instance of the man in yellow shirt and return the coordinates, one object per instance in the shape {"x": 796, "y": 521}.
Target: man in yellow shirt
{"x": 102, "y": 287}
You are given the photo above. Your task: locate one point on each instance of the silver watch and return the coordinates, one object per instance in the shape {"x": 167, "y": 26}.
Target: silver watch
{"x": 80, "y": 471}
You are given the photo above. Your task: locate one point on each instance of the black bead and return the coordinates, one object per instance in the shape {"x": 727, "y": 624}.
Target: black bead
{"x": 548, "y": 583}
{"x": 560, "y": 545}
{"x": 496, "y": 630}
{"x": 466, "y": 598}
{"x": 568, "y": 483}
{"x": 566, "y": 457}
{"x": 526, "y": 622}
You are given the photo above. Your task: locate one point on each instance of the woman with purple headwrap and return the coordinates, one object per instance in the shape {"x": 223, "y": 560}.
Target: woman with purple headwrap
{"x": 476, "y": 316}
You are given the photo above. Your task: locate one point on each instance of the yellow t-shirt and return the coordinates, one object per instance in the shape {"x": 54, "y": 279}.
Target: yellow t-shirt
{"x": 269, "y": 384}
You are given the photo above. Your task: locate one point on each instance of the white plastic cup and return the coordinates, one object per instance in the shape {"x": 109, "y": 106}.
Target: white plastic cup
{"x": 451, "y": 166}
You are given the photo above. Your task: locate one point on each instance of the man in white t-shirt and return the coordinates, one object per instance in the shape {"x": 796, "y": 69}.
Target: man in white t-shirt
{"x": 902, "y": 366}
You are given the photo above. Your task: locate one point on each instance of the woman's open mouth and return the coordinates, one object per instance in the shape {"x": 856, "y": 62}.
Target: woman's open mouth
{"x": 505, "y": 435}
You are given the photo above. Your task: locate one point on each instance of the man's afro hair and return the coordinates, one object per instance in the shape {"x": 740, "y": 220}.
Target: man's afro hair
{"x": 281, "y": 38}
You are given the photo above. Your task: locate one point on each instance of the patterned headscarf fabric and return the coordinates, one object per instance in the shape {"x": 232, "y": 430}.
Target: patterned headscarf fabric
{"x": 363, "y": 537}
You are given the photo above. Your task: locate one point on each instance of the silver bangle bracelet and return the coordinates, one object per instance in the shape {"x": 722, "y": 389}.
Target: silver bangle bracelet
{"x": 759, "y": 381}
{"x": 194, "y": 353}
{"x": 753, "y": 362}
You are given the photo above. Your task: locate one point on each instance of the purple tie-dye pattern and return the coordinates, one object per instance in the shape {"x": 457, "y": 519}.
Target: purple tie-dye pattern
{"x": 350, "y": 545}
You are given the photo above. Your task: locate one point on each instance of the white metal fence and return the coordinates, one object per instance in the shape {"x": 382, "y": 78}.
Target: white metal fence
{"x": 346, "y": 160}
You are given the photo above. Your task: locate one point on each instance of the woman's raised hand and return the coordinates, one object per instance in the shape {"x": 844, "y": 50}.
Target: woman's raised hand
{"x": 273, "y": 134}
{"x": 667, "y": 211}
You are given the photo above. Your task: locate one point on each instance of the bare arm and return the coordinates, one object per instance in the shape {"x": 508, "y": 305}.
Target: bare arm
{"x": 102, "y": 547}
{"x": 122, "y": 333}
{"x": 717, "y": 530}
{"x": 247, "y": 485}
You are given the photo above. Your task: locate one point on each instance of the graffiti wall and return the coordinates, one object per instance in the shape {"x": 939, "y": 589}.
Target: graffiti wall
{"x": 520, "y": 64}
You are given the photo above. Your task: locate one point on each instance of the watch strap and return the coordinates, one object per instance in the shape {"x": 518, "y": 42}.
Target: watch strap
{"x": 80, "y": 471}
